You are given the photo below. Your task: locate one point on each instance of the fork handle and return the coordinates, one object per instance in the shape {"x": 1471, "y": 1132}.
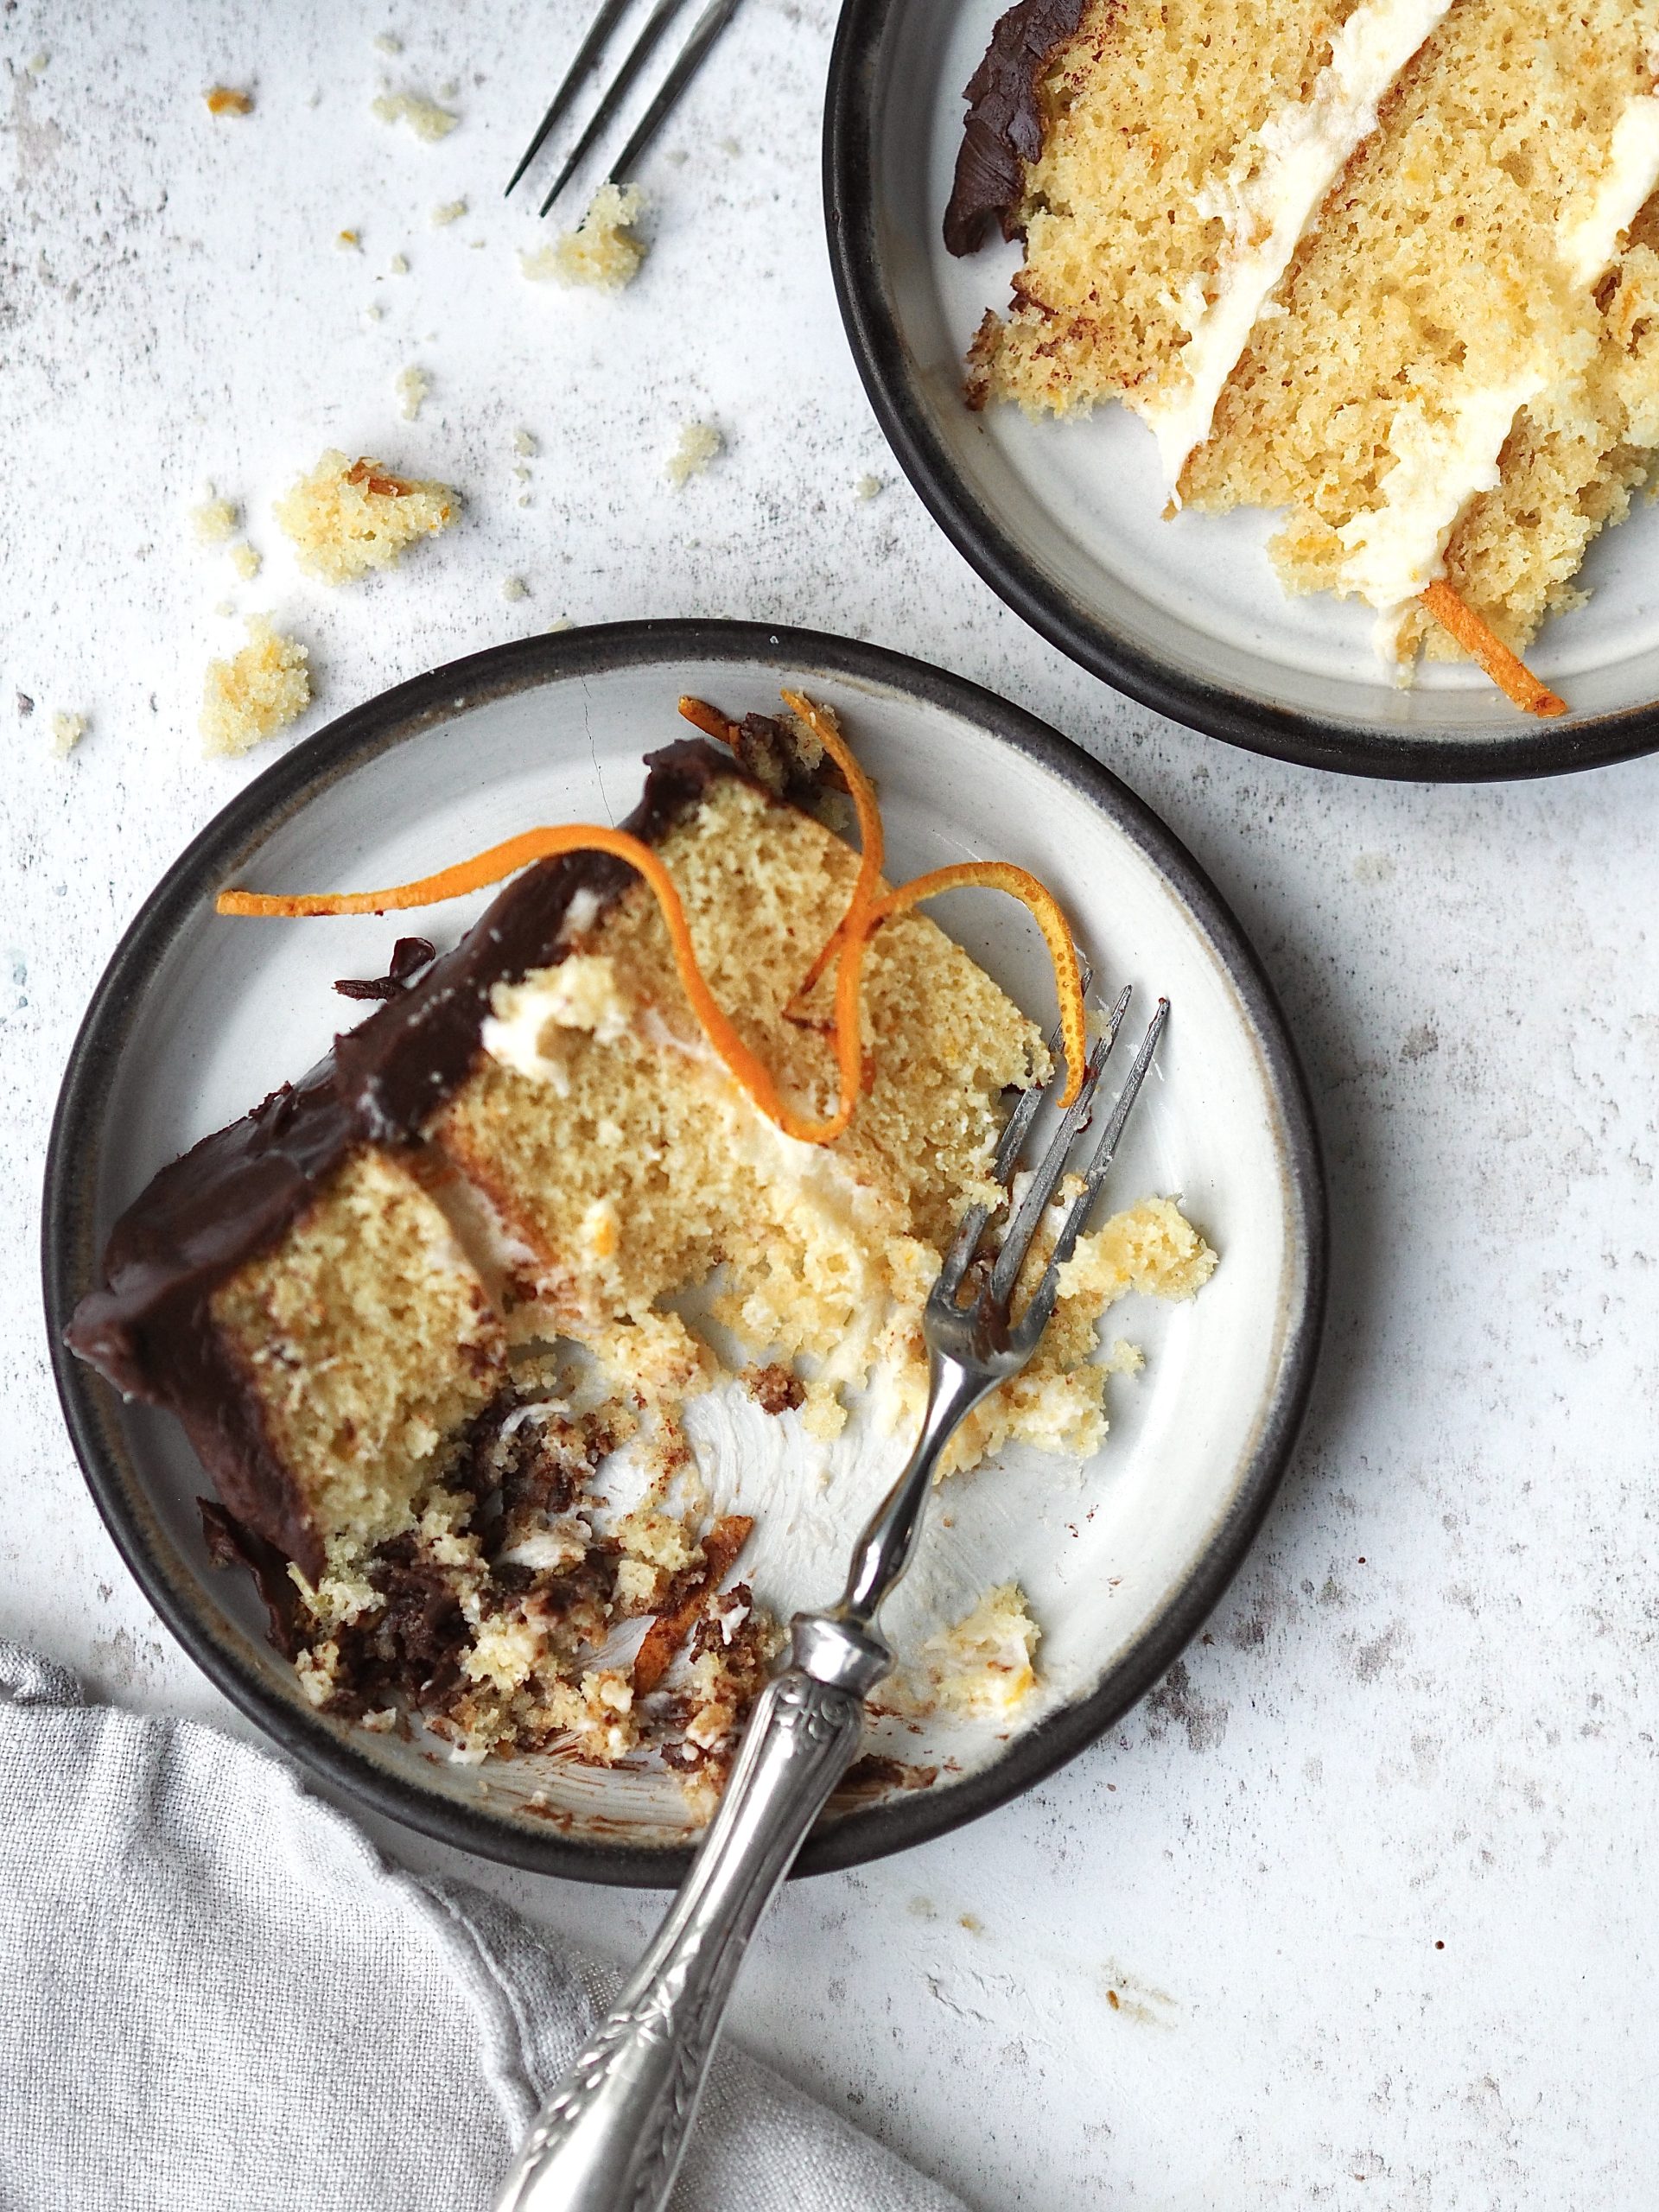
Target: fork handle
{"x": 611, "y": 2137}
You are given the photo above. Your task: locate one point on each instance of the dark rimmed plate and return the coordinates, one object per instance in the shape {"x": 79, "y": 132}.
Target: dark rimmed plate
{"x": 1063, "y": 519}
{"x": 196, "y": 1017}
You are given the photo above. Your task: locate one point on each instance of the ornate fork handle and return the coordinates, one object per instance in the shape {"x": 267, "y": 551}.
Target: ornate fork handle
{"x": 611, "y": 2138}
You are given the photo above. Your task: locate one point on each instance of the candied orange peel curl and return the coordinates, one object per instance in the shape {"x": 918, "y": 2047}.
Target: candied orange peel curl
{"x": 866, "y": 913}
{"x": 1507, "y": 669}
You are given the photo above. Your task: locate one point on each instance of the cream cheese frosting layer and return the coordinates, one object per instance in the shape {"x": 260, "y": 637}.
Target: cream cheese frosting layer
{"x": 1590, "y": 243}
{"x": 1268, "y": 202}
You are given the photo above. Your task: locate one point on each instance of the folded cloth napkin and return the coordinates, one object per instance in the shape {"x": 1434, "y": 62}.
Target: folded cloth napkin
{"x": 214, "y": 1994}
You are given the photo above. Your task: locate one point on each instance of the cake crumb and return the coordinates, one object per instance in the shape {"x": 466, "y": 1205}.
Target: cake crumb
{"x": 564, "y": 622}
{"x": 213, "y": 521}
{"x": 226, "y": 99}
{"x": 349, "y": 241}
{"x": 869, "y": 488}
{"x": 982, "y": 1665}
{"x": 397, "y": 266}
{"x": 448, "y": 211}
{"x": 699, "y": 443}
{"x": 67, "y": 730}
{"x": 388, "y": 42}
{"x": 601, "y": 251}
{"x": 224, "y": 608}
{"x": 514, "y": 587}
{"x": 245, "y": 561}
{"x": 254, "y": 694}
{"x": 347, "y": 517}
{"x": 413, "y": 385}
{"x": 38, "y": 64}
{"x": 524, "y": 441}
{"x": 424, "y": 116}
{"x": 374, "y": 311}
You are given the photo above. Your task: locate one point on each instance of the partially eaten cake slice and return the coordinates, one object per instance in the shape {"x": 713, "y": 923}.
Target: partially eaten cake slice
{"x": 415, "y": 1311}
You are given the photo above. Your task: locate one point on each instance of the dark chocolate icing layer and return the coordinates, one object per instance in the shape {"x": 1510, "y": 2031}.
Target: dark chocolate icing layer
{"x": 1002, "y": 131}
{"x": 148, "y": 1329}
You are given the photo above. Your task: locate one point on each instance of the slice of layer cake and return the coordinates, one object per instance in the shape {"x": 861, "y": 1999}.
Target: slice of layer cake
{"x": 1385, "y": 267}
{"x": 417, "y": 1313}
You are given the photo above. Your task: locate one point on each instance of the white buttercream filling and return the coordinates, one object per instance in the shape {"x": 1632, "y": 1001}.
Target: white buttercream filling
{"x": 1395, "y": 550}
{"x": 1298, "y": 155}
{"x": 1590, "y": 243}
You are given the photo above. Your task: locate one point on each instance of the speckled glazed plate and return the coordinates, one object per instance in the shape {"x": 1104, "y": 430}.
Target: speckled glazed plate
{"x": 197, "y": 1018}
{"x": 1064, "y": 520}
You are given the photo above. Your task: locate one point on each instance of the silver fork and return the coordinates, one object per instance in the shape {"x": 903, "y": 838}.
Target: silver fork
{"x": 707, "y": 28}
{"x": 611, "y": 2136}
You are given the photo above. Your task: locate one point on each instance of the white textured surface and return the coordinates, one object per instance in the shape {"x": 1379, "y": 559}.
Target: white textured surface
{"x": 1449, "y": 1743}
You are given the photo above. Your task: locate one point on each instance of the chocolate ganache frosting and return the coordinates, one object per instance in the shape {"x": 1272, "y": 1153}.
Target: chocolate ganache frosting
{"x": 147, "y": 1328}
{"x": 1002, "y": 130}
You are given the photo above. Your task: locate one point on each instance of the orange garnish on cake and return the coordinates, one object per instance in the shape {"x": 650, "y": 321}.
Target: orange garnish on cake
{"x": 865, "y": 915}
{"x": 1510, "y": 674}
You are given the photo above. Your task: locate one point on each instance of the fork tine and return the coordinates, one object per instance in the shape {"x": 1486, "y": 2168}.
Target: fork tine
{"x": 587, "y": 54}
{"x": 1016, "y": 1241}
{"x": 1034, "y": 1321}
{"x": 1009, "y": 1147}
{"x": 707, "y": 28}
{"x": 632, "y": 62}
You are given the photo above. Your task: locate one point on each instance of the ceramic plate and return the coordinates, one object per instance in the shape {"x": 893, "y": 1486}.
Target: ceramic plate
{"x": 1121, "y": 1558}
{"x": 1063, "y": 519}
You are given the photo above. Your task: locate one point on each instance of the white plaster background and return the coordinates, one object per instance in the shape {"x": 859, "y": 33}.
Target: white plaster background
{"x": 1423, "y": 1717}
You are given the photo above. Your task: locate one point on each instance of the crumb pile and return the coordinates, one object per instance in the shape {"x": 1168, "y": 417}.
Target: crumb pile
{"x": 257, "y": 692}
{"x": 349, "y": 517}
{"x": 602, "y": 251}
{"x": 463, "y": 1358}
{"x": 1390, "y": 265}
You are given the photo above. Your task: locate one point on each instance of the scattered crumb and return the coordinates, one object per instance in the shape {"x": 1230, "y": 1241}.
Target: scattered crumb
{"x": 448, "y": 211}
{"x": 388, "y": 42}
{"x": 523, "y": 442}
{"x": 983, "y": 1665}
{"x": 247, "y": 562}
{"x": 397, "y": 266}
{"x": 374, "y": 311}
{"x": 449, "y": 87}
{"x": 564, "y": 622}
{"x": 601, "y": 250}
{"x": 514, "y": 587}
{"x": 729, "y": 146}
{"x": 350, "y": 242}
{"x": 524, "y": 500}
{"x": 870, "y": 488}
{"x": 225, "y": 100}
{"x": 225, "y": 607}
{"x": 699, "y": 443}
{"x": 520, "y": 474}
{"x": 413, "y": 385}
{"x": 38, "y": 64}
{"x": 346, "y": 516}
{"x": 254, "y": 694}
{"x": 424, "y": 117}
{"x": 213, "y": 521}
{"x": 67, "y": 730}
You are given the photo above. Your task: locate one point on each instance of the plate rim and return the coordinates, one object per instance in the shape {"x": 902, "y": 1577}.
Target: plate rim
{"x": 1536, "y": 748}
{"x": 302, "y": 775}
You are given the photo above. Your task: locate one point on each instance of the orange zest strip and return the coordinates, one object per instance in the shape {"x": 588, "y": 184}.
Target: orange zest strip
{"x": 1512, "y": 676}
{"x": 504, "y": 860}
{"x": 871, "y": 836}
{"x": 1044, "y": 909}
{"x": 708, "y": 719}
